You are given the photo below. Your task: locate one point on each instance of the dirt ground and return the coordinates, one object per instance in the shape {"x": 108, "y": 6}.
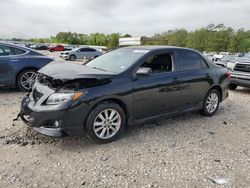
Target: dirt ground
{"x": 185, "y": 151}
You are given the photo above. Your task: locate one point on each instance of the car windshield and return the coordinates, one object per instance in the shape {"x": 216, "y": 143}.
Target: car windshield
{"x": 117, "y": 61}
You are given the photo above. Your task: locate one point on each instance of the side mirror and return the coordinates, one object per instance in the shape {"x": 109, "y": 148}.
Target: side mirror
{"x": 144, "y": 71}
{"x": 77, "y": 51}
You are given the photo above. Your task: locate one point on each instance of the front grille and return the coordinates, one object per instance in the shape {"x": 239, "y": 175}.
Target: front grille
{"x": 242, "y": 67}
{"x": 37, "y": 95}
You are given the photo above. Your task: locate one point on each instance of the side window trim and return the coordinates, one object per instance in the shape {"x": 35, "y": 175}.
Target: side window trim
{"x": 195, "y": 53}
{"x": 205, "y": 62}
{"x": 12, "y": 49}
{"x": 173, "y": 61}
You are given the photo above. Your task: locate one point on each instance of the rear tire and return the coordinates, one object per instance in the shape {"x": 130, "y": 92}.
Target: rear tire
{"x": 26, "y": 79}
{"x": 211, "y": 103}
{"x": 232, "y": 86}
{"x": 105, "y": 122}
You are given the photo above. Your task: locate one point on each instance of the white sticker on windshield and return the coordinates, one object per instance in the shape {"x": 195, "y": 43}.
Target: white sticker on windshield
{"x": 141, "y": 51}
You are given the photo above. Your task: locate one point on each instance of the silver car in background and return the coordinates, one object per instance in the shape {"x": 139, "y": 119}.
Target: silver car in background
{"x": 81, "y": 53}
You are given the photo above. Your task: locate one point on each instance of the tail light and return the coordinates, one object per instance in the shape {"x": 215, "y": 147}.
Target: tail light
{"x": 229, "y": 74}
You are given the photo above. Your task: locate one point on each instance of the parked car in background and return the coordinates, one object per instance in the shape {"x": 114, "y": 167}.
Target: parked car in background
{"x": 226, "y": 59}
{"x": 123, "y": 87}
{"x": 41, "y": 47}
{"x": 210, "y": 57}
{"x": 68, "y": 48}
{"x": 56, "y": 48}
{"x": 240, "y": 71}
{"x": 81, "y": 53}
{"x": 18, "y": 66}
{"x": 33, "y": 46}
{"x": 219, "y": 56}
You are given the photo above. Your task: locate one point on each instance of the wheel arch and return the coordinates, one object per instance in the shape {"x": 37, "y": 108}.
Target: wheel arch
{"x": 72, "y": 55}
{"x": 218, "y": 88}
{"x": 114, "y": 100}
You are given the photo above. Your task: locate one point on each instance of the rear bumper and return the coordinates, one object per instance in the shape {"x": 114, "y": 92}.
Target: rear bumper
{"x": 57, "y": 122}
{"x": 240, "y": 79}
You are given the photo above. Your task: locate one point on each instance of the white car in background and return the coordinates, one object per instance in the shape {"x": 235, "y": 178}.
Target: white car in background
{"x": 87, "y": 53}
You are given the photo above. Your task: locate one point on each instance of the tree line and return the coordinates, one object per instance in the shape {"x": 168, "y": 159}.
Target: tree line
{"x": 212, "y": 38}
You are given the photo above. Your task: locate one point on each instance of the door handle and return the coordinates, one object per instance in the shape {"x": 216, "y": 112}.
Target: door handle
{"x": 208, "y": 75}
{"x": 14, "y": 60}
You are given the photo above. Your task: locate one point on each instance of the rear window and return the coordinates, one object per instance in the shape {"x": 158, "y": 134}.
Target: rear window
{"x": 18, "y": 51}
{"x": 7, "y": 51}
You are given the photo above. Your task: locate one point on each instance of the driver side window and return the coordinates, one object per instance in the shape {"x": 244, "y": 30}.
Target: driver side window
{"x": 159, "y": 63}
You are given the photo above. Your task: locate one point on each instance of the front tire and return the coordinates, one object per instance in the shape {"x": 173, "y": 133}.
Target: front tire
{"x": 211, "y": 103}
{"x": 72, "y": 57}
{"x": 26, "y": 79}
{"x": 106, "y": 122}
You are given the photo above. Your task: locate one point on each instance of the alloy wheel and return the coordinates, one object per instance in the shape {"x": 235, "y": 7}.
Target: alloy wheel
{"x": 107, "y": 123}
{"x": 72, "y": 58}
{"x": 212, "y": 102}
{"x": 28, "y": 79}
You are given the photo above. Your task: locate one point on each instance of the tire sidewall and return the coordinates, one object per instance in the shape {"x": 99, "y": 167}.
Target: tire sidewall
{"x": 70, "y": 57}
{"x": 19, "y": 85}
{"x": 205, "y": 112}
{"x": 93, "y": 114}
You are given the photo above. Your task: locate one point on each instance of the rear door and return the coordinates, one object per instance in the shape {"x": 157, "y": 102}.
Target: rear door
{"x": 89, "y": 53}
{"x": 159, "y": 92}
{"x": 195, "y": 76}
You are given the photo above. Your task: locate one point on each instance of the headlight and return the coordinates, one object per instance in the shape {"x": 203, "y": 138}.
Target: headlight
{"x": 58, "y": 98}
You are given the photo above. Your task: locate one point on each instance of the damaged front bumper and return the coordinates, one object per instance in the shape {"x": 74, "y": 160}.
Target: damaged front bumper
{"x": 54, "y": 121}
{"x": 47, "y": 123}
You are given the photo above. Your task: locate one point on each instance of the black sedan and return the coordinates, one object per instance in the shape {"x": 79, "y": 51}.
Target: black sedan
{"x": 18, "y": 66}
{"x": 41, "y": 47}
{"x": 123, "y": 87}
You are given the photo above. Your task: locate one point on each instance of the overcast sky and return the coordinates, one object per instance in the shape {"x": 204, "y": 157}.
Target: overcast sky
{"x": 43, "y": 18}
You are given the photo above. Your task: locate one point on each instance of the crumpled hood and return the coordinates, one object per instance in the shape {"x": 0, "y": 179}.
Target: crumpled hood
{"x": 71, "y": 71}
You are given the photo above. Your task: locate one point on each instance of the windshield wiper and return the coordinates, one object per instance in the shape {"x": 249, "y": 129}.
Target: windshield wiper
{"x": 99, "y": 68}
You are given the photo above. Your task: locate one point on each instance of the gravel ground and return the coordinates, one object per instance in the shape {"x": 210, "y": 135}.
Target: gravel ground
{"x": 185, "y": 151}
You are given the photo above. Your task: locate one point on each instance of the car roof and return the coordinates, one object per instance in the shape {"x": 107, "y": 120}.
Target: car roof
{"x": 18, "y": 46}
{"x": 14, "y": 45}
{"x": 157, "y": 47}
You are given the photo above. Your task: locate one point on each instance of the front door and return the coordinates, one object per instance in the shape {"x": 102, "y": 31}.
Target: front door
{"x": 159, "y": 92}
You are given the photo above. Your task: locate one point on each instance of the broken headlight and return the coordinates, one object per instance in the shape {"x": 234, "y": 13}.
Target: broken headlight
{"x": 58, "y": 98}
